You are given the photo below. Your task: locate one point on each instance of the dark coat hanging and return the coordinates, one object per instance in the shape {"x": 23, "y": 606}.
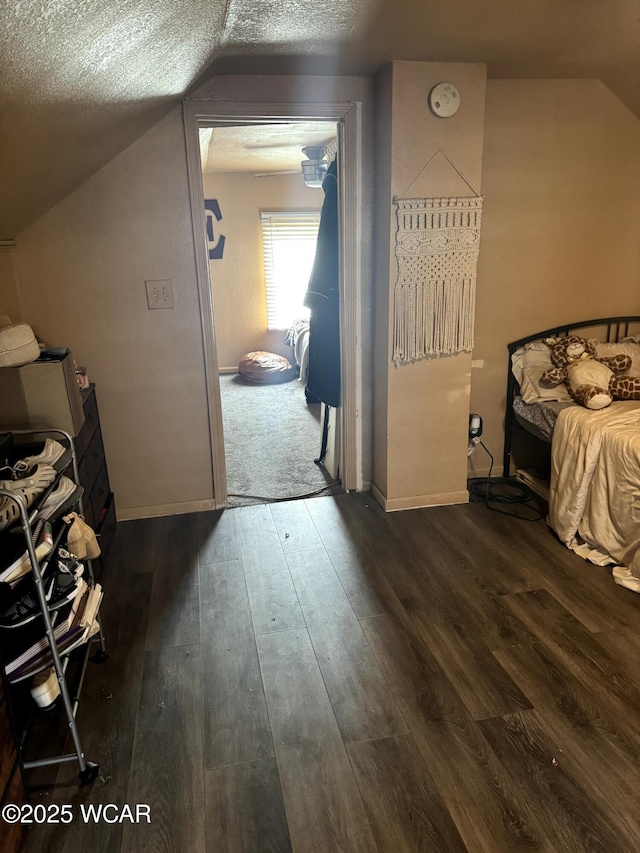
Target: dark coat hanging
{"x": 323, "y": 298}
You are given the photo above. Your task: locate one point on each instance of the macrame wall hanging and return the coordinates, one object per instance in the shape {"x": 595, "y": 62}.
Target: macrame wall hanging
{"x": 437, "y": 246}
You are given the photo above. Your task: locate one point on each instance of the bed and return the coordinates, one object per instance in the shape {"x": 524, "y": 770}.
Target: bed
{"x": 297, "y": 338}
{"x": 595, "y": 455}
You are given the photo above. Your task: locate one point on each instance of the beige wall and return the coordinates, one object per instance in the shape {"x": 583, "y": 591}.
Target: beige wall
{"x": 561, "y": 224}
{"x": 9, "y": 292}
{"x": 562, "y": 182}
{"x": 422, "y": 456}
{"x": 82, "y": 270}
{"x": 237, "y": 279}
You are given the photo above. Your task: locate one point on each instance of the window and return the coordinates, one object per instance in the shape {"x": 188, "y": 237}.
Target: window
{"x": 289, "y": 246}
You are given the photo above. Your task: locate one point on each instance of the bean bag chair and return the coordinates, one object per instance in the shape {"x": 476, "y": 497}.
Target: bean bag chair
{"x": 265, "y": 368}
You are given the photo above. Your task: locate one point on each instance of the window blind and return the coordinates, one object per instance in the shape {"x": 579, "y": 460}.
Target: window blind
{"x": 289, "y": 245}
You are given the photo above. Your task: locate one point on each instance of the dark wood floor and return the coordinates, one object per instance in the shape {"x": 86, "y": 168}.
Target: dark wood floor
{"x": 319, "y": 676}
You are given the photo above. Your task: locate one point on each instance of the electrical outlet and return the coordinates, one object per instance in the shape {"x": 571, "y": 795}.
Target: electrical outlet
{"x": 160, "y": 293}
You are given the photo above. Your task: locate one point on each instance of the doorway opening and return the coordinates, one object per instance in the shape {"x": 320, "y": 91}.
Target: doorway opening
{"x": 264, "y": 201}
{"x": 347, "y": 115}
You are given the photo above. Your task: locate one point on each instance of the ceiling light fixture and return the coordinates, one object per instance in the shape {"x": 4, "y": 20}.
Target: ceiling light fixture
{"x": 315, "y": 167}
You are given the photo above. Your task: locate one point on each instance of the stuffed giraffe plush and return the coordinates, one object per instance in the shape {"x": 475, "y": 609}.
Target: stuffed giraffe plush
{"x": 592, "y": 382}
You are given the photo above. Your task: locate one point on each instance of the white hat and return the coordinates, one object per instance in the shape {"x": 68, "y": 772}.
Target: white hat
{"x": 18, "y": 345}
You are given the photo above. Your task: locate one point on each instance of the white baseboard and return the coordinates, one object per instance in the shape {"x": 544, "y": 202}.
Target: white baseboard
{"x": 133, "y": 513}
{"x": 419, "y": 501}
{"x": 227, "y": 370}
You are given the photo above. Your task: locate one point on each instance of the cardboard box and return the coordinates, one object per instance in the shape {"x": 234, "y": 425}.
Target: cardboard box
{"x": 39, "y": 395}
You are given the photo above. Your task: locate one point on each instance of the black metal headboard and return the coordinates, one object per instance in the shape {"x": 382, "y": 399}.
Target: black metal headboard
{"x": 608, "y": 329}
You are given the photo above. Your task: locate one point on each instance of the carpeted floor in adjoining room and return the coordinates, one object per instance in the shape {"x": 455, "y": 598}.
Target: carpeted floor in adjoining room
{"x": 271, "y": 438}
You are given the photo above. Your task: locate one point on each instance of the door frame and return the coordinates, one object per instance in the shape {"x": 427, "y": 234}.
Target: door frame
{"x": 348, "y": 116}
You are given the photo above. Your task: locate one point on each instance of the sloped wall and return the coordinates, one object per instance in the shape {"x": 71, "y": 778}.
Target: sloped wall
{"x": 82, "y": 269}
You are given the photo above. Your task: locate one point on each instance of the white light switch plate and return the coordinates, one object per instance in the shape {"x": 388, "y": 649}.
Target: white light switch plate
{"x": 160, "y": 293}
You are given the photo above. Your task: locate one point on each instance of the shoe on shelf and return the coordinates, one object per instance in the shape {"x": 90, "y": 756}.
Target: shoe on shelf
{"x": 45, "y": 688}
{"x": 68, "y": 562}
{"x": 81, "y": 540}
{"x": 9, "y": 512}
{"x": 62, "y": 586}
{"x": 60, "y": 581}
{"x": 64, "y": 496}
{"x": 23, "y": 606}
{"x": 40, "y": 477}
{"x": 51, "y": 454}
{"x": 28, "y": 489}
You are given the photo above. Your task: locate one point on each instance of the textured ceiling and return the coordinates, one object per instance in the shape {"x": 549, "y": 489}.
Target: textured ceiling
{"x": 81, "y": 79}
{"x": 263, "y": 147}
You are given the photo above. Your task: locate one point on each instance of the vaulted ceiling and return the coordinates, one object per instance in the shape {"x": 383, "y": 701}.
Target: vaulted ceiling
{"x": 82, "y": 79}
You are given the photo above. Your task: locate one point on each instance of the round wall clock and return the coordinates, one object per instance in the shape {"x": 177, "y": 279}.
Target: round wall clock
{"x": 444, "y": 100}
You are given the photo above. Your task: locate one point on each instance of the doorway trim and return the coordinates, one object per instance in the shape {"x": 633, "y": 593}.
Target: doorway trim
{"x": 348, "y": 116}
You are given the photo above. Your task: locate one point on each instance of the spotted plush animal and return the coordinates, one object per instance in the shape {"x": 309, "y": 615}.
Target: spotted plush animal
{"x": 592, "y": 382}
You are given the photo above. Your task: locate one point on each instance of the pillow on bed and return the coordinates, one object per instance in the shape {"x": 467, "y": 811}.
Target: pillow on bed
{"x": 528, "y": 364}
{"x": 625, "y": 348}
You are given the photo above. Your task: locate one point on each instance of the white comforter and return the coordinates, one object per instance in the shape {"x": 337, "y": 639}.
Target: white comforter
{"x": 594, "y": 504}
